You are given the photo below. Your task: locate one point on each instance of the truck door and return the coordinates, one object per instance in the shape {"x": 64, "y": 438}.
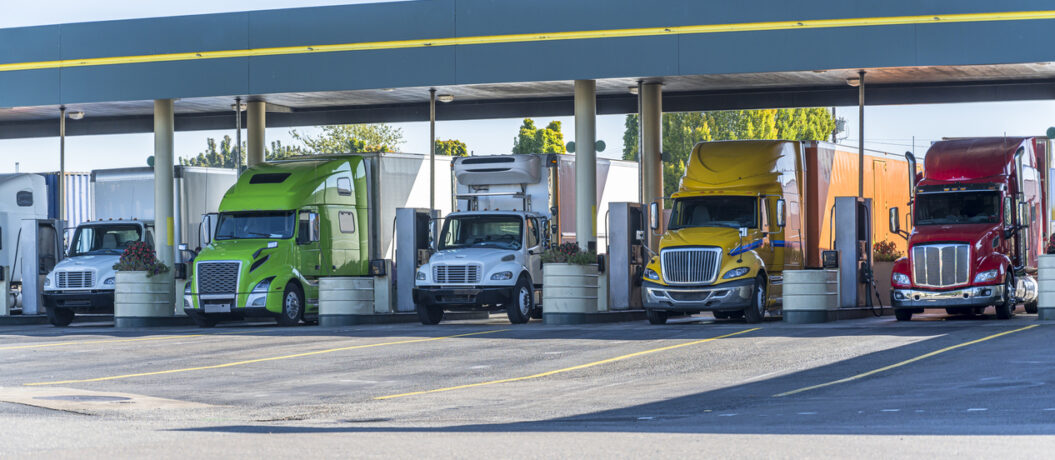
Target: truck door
{"x": 534, "y": 246}
{"x": 308, "y": 251}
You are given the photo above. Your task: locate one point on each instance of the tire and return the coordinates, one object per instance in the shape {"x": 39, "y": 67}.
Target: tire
{"x": 428, "y": 314}
{"x": 292, "y": 306}
{"x": 1006, "y": 309}
{"x": 523, "y": 302}
{"x": 757, "y": 311}
{"x": 1032, "y": 307}
{"x": 202, "y": 321}
{"x": 657, "y": 316}
{"x": 903, "y": 314}
{"x": 60, "y": 317}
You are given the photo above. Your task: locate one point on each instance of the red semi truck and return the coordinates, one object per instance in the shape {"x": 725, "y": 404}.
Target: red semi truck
{"x": 979, "y": 216}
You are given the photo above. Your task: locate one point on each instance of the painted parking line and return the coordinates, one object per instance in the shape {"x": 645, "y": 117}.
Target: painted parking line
{"x": 259, "y": 360}
{"x": 138, "y": 339}
{"x": 902, "y": 363}
{"x": 566, "y": 369}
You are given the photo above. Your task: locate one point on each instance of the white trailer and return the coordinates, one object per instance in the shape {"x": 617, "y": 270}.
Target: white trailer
{"x": 22, "y": 197}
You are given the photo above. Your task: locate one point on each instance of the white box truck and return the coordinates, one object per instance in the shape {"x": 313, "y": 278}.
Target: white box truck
{"x": 123, "y": 211}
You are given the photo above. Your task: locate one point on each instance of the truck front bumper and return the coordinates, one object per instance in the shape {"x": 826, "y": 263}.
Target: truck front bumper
{"x": 234, "y": 313}
{"x": 469, "y": 297}
{"x": 979, "y": 296}
{"x": 733, "y": 295}
{"x": 81, "y": 301}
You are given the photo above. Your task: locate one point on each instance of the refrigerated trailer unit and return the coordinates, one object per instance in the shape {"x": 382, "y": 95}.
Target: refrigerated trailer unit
{"x": 22, "y": 197}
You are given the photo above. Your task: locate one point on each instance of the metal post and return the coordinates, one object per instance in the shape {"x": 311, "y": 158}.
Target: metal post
{"x": 237, "y": 136}
{"x": 585, "y": 163}
{"x": 163, "y": 180}
{"x": 257, "y": 124}
{"x": 861, "y": 136}
{"x": 62, "y": 163}
{"x": 652, "y": 148}
{"x": 432, "y": 149}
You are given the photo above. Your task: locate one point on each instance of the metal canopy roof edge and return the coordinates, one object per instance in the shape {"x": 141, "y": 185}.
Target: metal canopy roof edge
{"x": 537, "y": 37}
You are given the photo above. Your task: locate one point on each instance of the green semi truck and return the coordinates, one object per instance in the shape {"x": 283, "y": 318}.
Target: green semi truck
{"x": 285, "y": 224}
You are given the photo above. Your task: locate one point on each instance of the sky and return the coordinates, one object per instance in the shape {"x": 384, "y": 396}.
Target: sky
{"x": 887, "y": 128}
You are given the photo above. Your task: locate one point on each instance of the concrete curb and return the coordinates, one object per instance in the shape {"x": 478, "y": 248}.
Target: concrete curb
{"x": 126, "y": 322}
{"x": 588, "y": 318}
{"x": 23, "y": 320}
{"x": 392, "y": 318}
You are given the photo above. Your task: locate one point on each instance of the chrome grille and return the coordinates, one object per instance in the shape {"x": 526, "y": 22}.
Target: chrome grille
{"x": 690, "y": 265}
{"x": 941, "y": 265}
{"x": 217, "y": 277}
{"x": 456, "y": 274}
{"x": 75, "y": 280}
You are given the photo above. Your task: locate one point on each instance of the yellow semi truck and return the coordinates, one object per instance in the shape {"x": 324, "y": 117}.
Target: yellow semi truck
{"x": 745, "y": 211}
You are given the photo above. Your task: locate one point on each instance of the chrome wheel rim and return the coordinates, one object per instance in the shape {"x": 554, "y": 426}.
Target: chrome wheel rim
{"x": 292, "y": 305}
{"x": 525, "y": 300}
{"x": 761, "y": 294}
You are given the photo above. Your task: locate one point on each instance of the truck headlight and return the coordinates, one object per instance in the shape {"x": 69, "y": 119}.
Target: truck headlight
{"x": 736, "y": 273}
{"x": 188, "y": 303}
{"x": 651, "y": 274}
{"x": 47, "y": 282}
{"x": 985, "y": 276}
{"x": 258, "y": 296}
{"x": 108, "y": 281}
{"x": 502, "y": 276}
{"x": 420, "y": 276}
{"x": 900, "y": 279}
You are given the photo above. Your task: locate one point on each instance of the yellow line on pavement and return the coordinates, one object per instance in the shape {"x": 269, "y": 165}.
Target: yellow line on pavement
{"x": 902, "y": 363}
{"x": 538, "y": 37}
{"x": 566, "y": 369}
{"x": 260, "y": 360}
{"x": 90, "y": 342}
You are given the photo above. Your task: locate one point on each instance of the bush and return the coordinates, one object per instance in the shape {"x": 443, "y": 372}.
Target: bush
{"x": 568, "y": 253}
{"x": 140, "y": 257}
{"x": 885, "y": 251}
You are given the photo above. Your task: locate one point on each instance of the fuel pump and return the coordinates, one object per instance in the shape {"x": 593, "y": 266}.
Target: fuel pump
{"x": 853, "y": 240}
{"x": 41, "y": 247}
{"x": 626, "y": 258}
{"x": 415, "y": 230}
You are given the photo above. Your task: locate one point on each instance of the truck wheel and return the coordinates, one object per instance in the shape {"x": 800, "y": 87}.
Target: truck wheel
{"x": 1006, "y": 309}
{"x": 60, "y": 317}
{"x": 429, "y": 314}
{"x": 292, "y": 306}
{"x": 657, "y": 316}
{"x": 201, "y": 320}
{"x": 903, "y": 314}
{"x": 1031, "y": 307}
{"x": 519, "y": 309}
{"x": 757, "y": 311}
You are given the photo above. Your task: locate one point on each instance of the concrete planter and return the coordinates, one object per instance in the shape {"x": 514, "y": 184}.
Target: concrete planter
{"x": 810, "y": 296}
{"x": 141, "y": 301}
{"x": 882, "y": 271}
{"x": 569, "y": 291}
{"x": 1046, "y": 286}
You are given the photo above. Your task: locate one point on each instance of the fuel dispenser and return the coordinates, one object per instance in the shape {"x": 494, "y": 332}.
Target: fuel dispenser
{"x": 853, "y": 241}
{"x": 41, "y": 246}
{"x": 414, "y": 232}
{"x": 627, "y": 236}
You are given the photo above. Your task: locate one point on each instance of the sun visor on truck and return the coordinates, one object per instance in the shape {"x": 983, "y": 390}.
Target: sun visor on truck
{"x": 498, "y": 170}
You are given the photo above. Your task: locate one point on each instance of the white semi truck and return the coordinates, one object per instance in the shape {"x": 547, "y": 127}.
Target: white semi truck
{"x": 488, "y": 254}
{"x": 123, "y": 208}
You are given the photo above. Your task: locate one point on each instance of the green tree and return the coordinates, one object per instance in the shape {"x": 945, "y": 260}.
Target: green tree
{"x": 351, "y": 139}
{"x": 682, "y": 130}
{"x": 453, "y": 147}
{"x": 533, "y": 140}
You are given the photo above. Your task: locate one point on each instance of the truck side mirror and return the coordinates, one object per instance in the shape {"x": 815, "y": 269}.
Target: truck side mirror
{"x": 1023, "y": 214}
{"x": 781, "y": 214}
{"x": 653, "y": 216}
{"x": 1008, "y": 212}
{"x": 895, "y": 221}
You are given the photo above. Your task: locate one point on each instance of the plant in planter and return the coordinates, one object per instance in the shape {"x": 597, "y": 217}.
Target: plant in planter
{"x": 140, "y": 257}
{"x": 569, "y": 281}
{"x": 885, "y": 251}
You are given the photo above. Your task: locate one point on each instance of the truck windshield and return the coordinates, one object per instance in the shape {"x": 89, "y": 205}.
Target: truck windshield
{"x": 957, "y": 208}
{"x": 502, "y": 232}
{"x": 104, "y": 239}
{"x": 250, "y": 225}
{"x": 715, "y": 211}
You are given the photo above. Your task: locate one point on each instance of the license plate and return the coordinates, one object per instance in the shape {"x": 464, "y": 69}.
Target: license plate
{"x": 217, "y": 308}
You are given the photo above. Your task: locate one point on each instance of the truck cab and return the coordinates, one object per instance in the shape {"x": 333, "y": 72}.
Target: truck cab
{"x": 279, "y": 229}
{"x": 83, "y": 282}
{"x": 978, "y": 218}
{"x": 488, "y": 254}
